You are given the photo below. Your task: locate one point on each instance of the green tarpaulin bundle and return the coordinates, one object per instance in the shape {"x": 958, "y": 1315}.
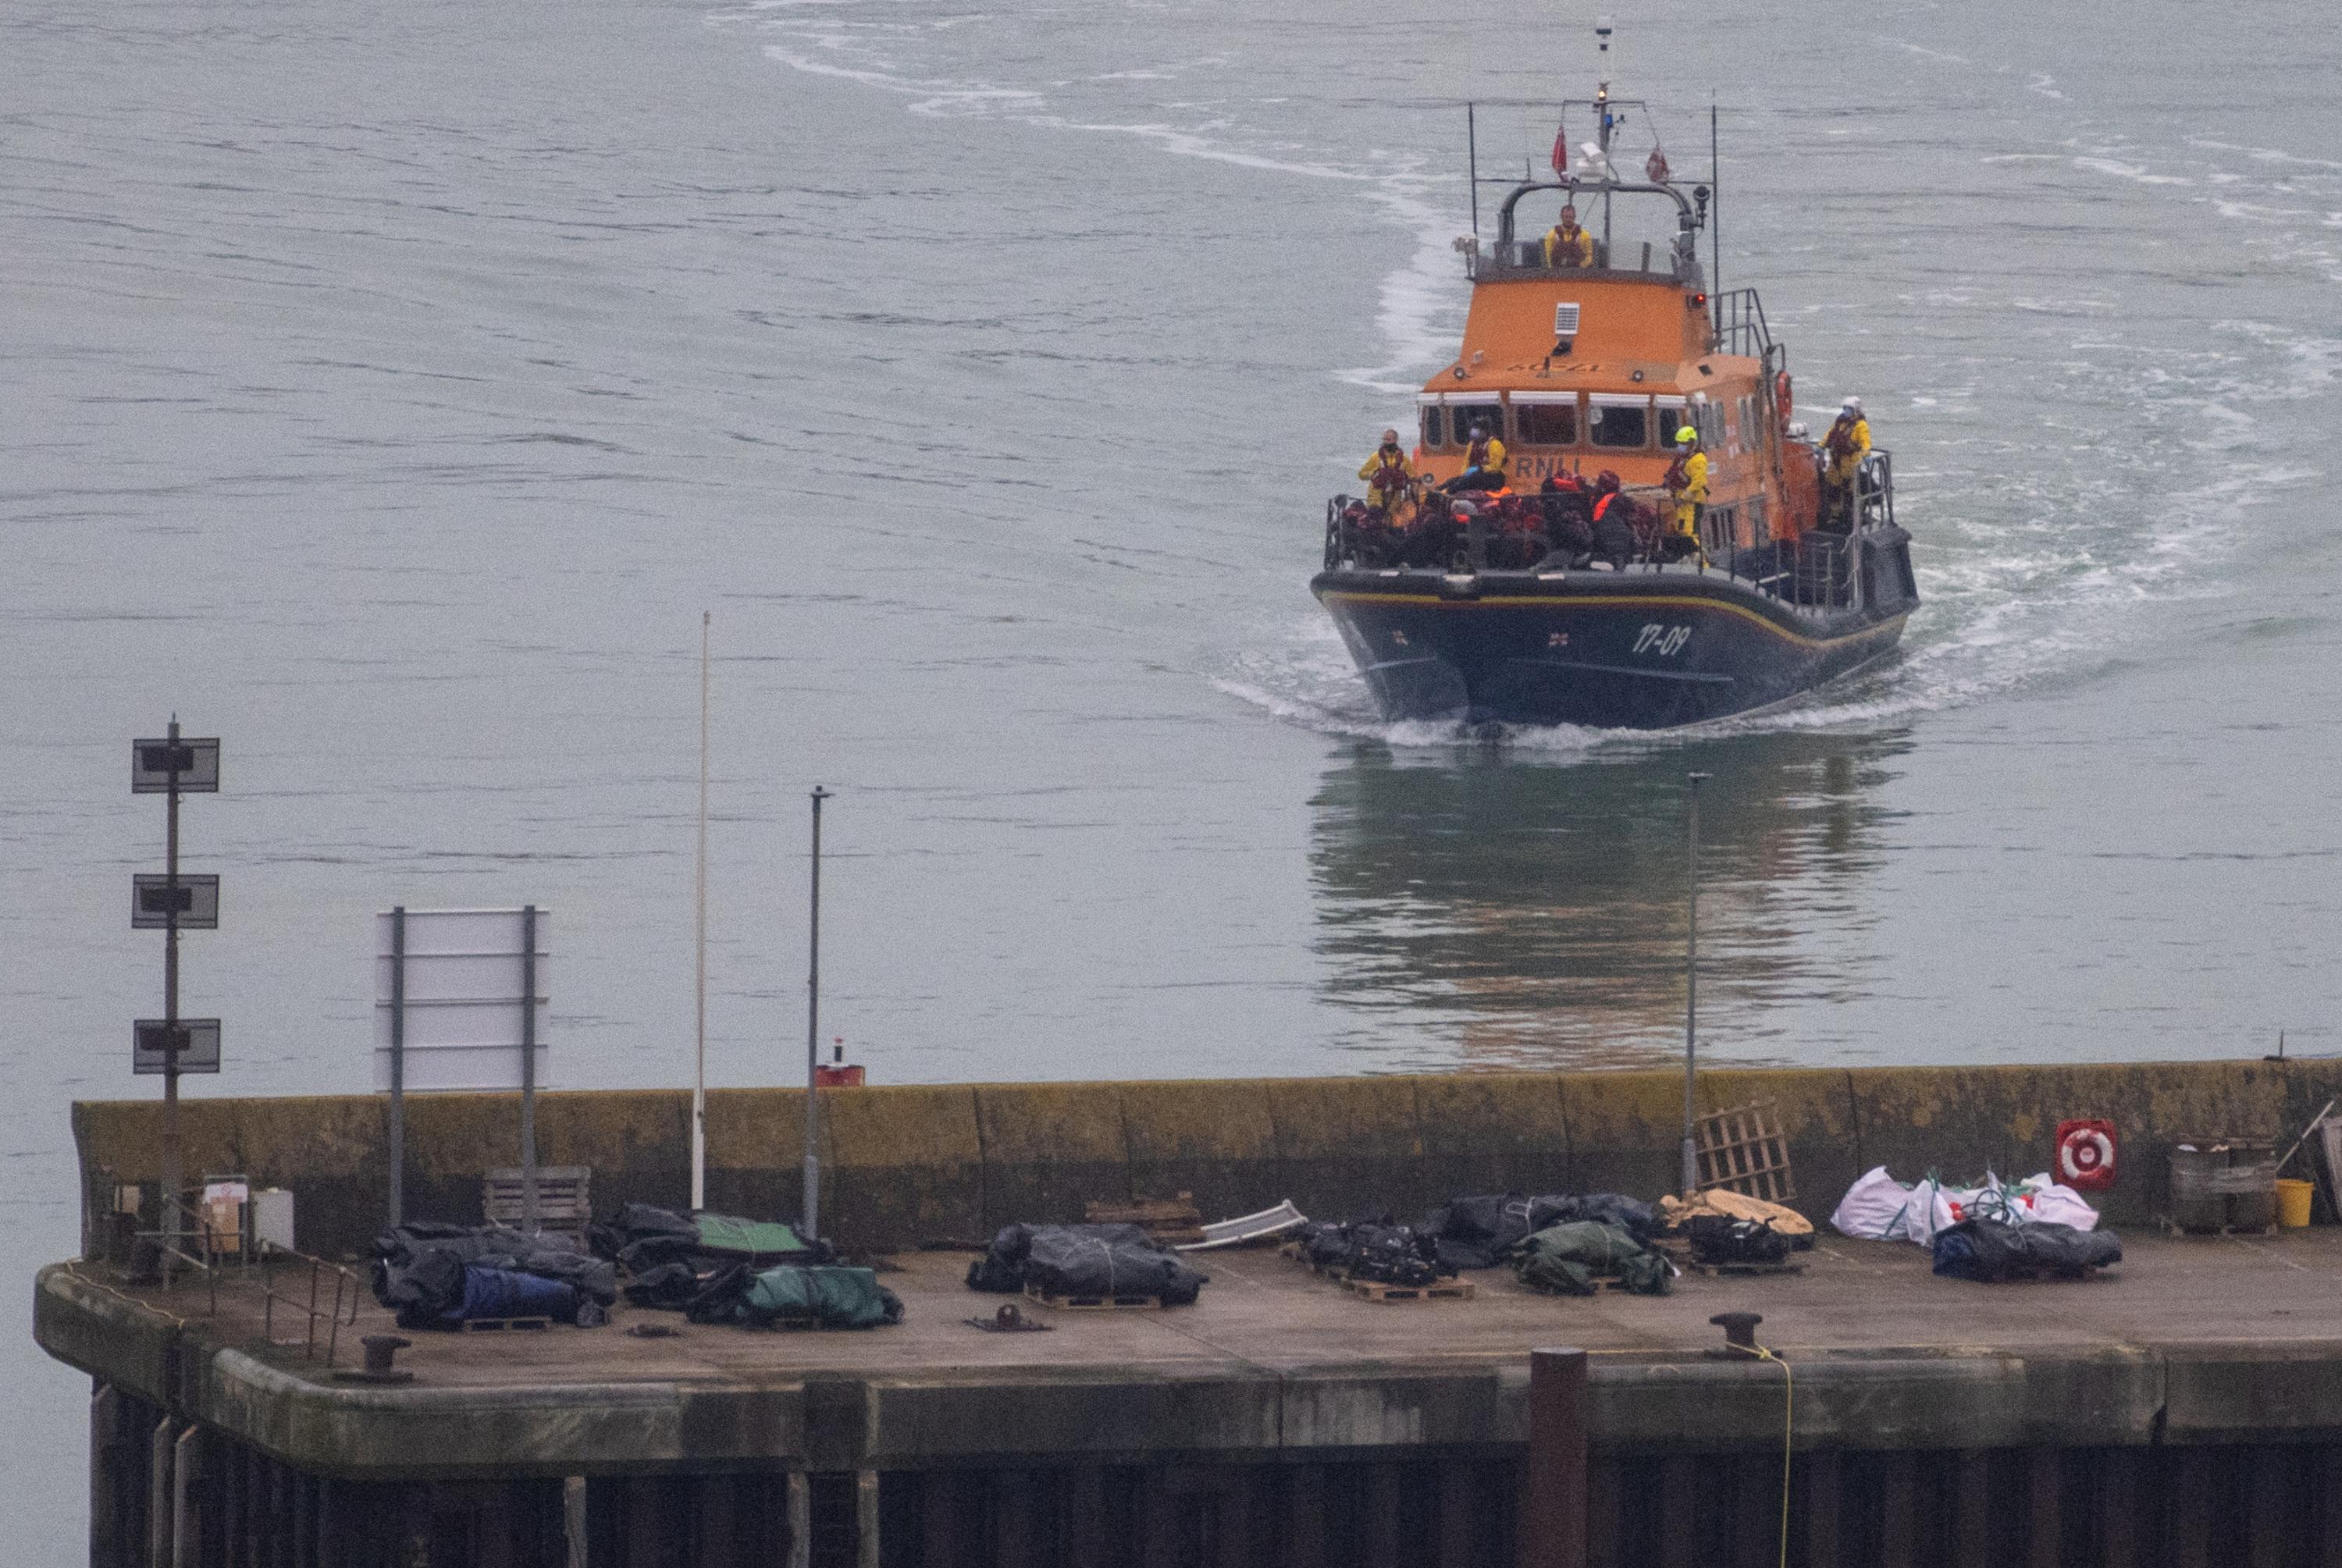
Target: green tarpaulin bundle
{"x": 1568, "y": 1259}
{"x": 833, "y": 1295}
{"x": 752, "y": 1238}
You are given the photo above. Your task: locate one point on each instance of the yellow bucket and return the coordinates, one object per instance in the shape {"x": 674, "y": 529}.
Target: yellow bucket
{"x": 2293, "y": 1203}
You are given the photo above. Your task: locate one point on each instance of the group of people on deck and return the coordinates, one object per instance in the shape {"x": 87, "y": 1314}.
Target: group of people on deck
{"x": 1587, "y": 522}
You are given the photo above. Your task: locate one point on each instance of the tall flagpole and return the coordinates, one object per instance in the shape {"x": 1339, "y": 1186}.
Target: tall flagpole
{"x": 699, "y": 1075}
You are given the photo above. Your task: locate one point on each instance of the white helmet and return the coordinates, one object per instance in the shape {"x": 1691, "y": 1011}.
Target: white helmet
{"x": 1852, "y": 406}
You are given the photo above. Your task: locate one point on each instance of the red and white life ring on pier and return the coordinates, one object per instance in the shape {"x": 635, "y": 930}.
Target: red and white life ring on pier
{"x": 2086, "y": 1154}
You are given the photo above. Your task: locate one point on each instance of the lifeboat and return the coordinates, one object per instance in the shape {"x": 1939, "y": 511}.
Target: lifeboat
{"x": 1483, "y": 598}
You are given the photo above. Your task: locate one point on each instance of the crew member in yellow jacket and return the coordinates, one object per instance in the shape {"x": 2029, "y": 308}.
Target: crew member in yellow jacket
{"x": 1846, "y": 445}
{"x": 1566, "y": 245}
{"x": 1687, "y": 483}
{"x": 1388, "y": 476}
{"x": 1483, "y": 463}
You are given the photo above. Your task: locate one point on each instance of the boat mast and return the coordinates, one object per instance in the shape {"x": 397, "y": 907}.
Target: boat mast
{"x": 1602, "y": 30}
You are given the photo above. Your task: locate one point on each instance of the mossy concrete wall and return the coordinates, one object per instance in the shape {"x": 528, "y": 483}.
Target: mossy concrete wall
{"x": 908, "y": 1164}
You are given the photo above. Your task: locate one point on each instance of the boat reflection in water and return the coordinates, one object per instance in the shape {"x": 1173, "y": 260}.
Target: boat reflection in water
{"x": 1535, "y": 913}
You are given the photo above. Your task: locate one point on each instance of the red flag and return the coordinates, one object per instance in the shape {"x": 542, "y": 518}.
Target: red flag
{"x": 1561, "y": 150}
{"x": 1657, "y": 167}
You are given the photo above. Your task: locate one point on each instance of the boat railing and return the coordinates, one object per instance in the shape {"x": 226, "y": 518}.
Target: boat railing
{"x": 1820, "y": 571}
{"x": 1873, "y": 489}
{"x": 1651, "y": 263}
{"x": 1740, "y": 325}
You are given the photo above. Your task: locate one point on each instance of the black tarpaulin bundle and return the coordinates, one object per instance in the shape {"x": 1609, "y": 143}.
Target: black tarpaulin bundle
{"x": 1084, "y": 1260}
{"x": 1991, "y": 1251}
{"x": 1374, "y": 1250}
{"x": 1479, "y": 1232}
{"x": 640, "y": 1238}
{"x": 1721, "y": 1239}
{"x": 437, "y": 1275}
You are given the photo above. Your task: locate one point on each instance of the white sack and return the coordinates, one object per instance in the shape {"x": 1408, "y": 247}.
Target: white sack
{"x": 2046, "y": 1198}
{"x": 1873, "y": 1208}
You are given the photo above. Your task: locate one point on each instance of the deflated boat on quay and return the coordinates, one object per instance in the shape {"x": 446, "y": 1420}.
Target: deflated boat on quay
{"x": 1592, "y": 364}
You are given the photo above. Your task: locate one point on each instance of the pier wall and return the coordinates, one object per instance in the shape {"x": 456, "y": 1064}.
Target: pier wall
{"x": 913, "y": 1163}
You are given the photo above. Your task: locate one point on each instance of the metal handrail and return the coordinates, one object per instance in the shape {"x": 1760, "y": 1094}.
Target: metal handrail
{"x": 344, "y": 1284}
{"x": 348, "y": 1292}
{"x": 1815, "y": 572}
{"x": 167, "y": 1236}
{"x": 1740, "y": 325}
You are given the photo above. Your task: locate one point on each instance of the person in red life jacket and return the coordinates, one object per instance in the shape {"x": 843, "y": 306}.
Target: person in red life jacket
{"x": 1614, "y": 522}
{"x": 1484, "y": 465}
{"x": 1389, "y": 477}
{"x": 1568, "y": 514}
{"x": 1566, "y": 245}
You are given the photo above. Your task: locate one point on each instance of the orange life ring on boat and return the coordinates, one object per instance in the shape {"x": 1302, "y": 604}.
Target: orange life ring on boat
{"x": 1781, "y": 398}
{"x": 2086, "y": 1154}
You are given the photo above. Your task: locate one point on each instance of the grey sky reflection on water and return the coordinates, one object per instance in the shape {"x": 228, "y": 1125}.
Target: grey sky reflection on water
{"x": 1537, "y": 912}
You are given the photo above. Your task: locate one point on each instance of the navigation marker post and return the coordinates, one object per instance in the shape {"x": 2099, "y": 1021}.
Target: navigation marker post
{"x": 1691, "y": 997}
{"x": 172, "y": 767}
{"x": 812, "y": 1034}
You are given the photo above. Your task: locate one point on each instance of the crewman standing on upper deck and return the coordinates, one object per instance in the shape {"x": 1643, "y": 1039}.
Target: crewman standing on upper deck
{"x": 1566, "y": 245}
{"x": 1846, "y": 445}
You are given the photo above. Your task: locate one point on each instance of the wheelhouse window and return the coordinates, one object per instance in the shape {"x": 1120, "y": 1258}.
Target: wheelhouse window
{"x": 1669, "y": 414}
{"x": 1543, "y": 423}
{"x": 1619, "y": 423}
{"x": 1435, "y": 426}
{"x": 1463, "y": 416}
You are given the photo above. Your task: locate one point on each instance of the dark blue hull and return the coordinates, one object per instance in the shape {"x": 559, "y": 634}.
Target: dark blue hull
{"x": 1631, "y": 650}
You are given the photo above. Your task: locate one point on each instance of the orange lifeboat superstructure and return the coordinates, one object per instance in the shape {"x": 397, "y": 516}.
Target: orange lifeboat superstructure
{"x": 1487, "y": 604}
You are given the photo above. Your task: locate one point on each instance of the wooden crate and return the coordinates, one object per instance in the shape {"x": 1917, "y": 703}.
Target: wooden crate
{"x": 565, "y": 1200}
{"x": 1742, "y": 1149}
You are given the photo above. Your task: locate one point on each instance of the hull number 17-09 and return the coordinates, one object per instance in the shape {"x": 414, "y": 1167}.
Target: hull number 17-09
{"x": 1663, "y": 640}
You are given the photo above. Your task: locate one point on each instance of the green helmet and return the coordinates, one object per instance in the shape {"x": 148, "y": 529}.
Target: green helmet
{"x": 1686, "y": 435}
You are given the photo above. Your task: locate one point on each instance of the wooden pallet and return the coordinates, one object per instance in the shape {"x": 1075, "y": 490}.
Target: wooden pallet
{"x": 1438, "y": 1291}
{"x": 1093, "y": 1302}
{"x": 1739, "y": 1270}
{"x": 1174, "y": 1222}
{"x": 503, "y": 1324}
{"x": 1742, "y": 1149}
{"x": 2173, "y": 1227}
{"x": 565, "y": 1200}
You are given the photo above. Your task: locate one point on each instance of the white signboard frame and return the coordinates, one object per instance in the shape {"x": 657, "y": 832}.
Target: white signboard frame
{"x": 461, "y": 1009}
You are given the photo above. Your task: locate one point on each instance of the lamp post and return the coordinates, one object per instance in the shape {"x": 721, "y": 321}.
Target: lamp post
{"x": 813, "y": 1034}
{"x": 1691, "y": 993}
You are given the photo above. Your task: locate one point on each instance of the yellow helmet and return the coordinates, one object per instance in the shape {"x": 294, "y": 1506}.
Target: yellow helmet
{"x": 1686, "y": 435}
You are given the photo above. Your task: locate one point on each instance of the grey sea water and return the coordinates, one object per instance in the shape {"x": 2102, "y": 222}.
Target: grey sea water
{"x": 388, "y": 389}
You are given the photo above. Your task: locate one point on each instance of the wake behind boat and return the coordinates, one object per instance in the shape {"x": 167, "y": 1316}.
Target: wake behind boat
{"x": 1610, "y": 516}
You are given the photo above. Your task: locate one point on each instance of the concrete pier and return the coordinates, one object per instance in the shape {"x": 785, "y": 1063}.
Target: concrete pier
{"x": 2185, "y": 1408}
